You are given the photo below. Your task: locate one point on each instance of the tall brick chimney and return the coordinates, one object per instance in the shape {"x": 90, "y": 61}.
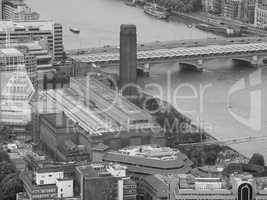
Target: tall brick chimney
{"x": 128, "y": 57}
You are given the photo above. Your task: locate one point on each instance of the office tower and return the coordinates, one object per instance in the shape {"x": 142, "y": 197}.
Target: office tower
{"x": 261, "y": 14}
{"x": 102, "y": 181}
{"x": 248, "y": 11}
{"x": 35, "y": 30}
{"x": 232, "y": 9}
{"x": 128, "y": 56}
{"x": 17, "y": 10}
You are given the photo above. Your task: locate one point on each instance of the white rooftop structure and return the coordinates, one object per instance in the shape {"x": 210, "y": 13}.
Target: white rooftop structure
{"x": 151, "y": 151}
{"x": 10, "y": 52}
{"x": 16, "y": 91}
{"x": 16, "y": 85}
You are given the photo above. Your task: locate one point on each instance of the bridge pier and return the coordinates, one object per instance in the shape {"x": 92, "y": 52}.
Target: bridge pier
{"x": 252, "y": 61}
{"x": 146, "y": 69}
{"x": 255, "y": 61}
{"x": 200, "y": 63}
{"x": 143, "y": 69}
{"x": 196, "y": 65}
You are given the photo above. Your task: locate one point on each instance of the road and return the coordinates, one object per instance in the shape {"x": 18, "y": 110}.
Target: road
{"x": 216, "y": 20}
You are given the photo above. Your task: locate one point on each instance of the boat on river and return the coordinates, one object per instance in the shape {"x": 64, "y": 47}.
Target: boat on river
{"x": 74, "y": 30}
{"x": 156, "y": 11}
{"x": 130, "y": 3}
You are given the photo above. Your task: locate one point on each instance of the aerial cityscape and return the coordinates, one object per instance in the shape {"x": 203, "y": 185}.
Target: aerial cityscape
{"x": 133, "y": 99}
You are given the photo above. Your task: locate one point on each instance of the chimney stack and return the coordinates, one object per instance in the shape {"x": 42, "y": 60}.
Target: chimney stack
{"x": 128, "y": 57}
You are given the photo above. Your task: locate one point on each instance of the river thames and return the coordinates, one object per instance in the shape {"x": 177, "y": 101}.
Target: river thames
{"x": 227, "y": 100}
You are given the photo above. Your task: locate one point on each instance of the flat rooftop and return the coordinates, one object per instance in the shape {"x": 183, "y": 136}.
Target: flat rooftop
{"x": 98, "y": 109}
{"x": 10, "y": 52}
{"x": 100, "y": 168}
{"x": 150, "y": 159}
{"x": 43, "y": 25}
{"x": 92, "y": 170}
{"x": 31, "y": 45}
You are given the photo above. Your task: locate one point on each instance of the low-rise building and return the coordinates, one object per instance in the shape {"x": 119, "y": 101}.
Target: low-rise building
{"x": 46, "y": 179}
{"x": 148, "y": 160}
{"x": 46, "y": 185}
{"x": 188, "y": 187}
{"x": 42, "y": 164}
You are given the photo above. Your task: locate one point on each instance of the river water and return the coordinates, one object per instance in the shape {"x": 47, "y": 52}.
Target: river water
{"x": 227, "y": 100}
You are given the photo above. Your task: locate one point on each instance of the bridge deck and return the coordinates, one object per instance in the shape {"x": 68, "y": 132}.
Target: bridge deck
{"x": 175, "y": 52}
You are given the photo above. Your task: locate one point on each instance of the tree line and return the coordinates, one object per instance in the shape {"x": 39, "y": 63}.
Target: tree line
{"x": 10, "y": 183}
{"x": 184, "y": 6}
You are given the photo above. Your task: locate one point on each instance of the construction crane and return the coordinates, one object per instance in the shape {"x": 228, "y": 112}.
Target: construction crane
{"x": 228, "y": 141}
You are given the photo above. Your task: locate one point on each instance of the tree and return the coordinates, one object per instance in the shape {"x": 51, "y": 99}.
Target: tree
{"x": 4, "y": 156}
{"x": 5, "y": 169}
{"x": 257, "y": 159}
{"x": 197, "y": 5}
{"x": 198, "y": 156}
{"x": 1, "y": 195}
{"x": 232, "y": 168}
{"x": 10, "y": 186}
{"x": 211, "y": 157}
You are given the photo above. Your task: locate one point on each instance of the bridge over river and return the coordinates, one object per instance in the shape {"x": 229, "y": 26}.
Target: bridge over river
{"x": 195, "y": 57}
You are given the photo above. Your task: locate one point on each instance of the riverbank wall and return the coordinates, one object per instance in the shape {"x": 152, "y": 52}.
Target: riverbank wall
{"x": 171, "y": 114}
